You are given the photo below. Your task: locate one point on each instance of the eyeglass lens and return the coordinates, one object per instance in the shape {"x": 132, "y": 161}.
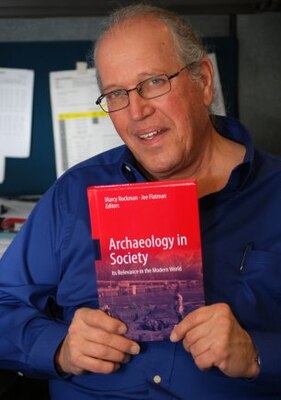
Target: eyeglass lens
{"x": 150, "y": 88}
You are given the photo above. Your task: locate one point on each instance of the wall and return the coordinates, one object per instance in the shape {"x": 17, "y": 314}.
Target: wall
{"x": 260, "y": 77}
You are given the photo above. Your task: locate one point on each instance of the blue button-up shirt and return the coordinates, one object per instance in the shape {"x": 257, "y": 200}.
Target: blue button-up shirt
{"x": 48, "y": 272}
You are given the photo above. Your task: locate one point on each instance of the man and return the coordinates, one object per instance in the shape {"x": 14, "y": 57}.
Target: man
{"x": 157, "y": 85}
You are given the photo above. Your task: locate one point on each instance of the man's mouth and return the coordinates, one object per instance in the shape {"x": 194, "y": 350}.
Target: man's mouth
{"x": 150, "y": 135}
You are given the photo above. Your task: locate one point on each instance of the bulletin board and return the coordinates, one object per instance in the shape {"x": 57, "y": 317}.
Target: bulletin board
{"x": 34, "y": 175}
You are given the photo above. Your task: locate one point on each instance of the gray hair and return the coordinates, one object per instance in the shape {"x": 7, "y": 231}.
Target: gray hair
{"x": 188, "y": 46}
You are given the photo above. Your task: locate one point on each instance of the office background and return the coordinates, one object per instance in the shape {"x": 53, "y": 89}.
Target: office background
{"x": 258, "y": 35}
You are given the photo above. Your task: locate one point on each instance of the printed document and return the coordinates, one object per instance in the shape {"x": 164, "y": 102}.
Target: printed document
{"x": 16, "y": 100}
{"x": 81, "y": 129}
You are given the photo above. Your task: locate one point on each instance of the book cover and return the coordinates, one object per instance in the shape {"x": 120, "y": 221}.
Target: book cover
{"x": 149, "y": 268}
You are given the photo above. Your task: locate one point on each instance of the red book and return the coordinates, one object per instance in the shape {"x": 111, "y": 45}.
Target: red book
{"x": 149, "y": 270}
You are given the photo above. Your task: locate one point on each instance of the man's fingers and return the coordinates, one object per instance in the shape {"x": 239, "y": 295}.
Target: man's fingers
{"x": 192, "y": 320}
{"x": 112, "y": 341}
{"x": 198, "y": 317}
{"x": 103, "y": 367}
{"x": 99, "y": 328}
{"x": 103, "y": 352}
{"x": 99, "y": 319}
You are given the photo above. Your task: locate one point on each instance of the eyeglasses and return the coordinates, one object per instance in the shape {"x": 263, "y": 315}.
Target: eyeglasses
{"x": 150, "y": 88}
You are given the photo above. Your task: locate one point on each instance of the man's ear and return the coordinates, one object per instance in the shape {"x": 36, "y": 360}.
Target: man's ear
{"x": 207, "y": 80}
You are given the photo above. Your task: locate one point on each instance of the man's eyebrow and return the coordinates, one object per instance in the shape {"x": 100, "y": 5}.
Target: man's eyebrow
{"x": 112, "y": 88}
{"x": 141, "y": 77}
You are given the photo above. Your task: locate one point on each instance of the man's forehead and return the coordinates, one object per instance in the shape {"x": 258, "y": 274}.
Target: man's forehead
{"x": 132, "y": 52}
{"x": 134, "y": 36}
{"x": 136, "y": 26}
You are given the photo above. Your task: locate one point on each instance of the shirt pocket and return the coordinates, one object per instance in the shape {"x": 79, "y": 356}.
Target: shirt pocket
{"x": 262, "y": 268}
{"x": 258, "y": 299}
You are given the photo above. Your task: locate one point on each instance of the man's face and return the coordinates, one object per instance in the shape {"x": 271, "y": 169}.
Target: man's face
{"x": 165, "y": 134}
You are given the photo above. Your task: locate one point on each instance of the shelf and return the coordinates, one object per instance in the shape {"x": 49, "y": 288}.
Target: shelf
{"x": 68, "y": 8}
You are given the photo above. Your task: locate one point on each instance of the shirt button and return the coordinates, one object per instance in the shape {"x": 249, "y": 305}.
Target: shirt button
{"x": 157, "y": 379}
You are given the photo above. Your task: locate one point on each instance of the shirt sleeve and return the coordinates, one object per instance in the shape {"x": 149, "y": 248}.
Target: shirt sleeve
{"x": 269, "y": 350}
{"x": 30, "y": 329}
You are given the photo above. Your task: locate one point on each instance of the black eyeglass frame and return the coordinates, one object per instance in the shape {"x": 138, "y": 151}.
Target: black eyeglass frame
{"x": 138, "y": 89}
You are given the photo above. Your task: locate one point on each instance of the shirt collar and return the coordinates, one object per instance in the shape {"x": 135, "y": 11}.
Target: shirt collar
{"x": 232, "y": 129}
{"x": 129, "y": 167}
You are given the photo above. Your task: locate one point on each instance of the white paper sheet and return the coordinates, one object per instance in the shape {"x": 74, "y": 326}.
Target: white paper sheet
{"x": 218, "y": 105}
{"x": 81, "y": 129}
{"x": 16, "y": 100}
{"x": 2, "y": 168}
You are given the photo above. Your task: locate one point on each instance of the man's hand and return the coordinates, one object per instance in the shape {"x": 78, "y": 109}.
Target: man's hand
{"x": 214, "y": 338}
{"x": 94, "y": 343}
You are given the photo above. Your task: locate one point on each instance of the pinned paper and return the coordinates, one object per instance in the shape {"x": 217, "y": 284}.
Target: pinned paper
{"x": 81, "y": 129}
{"x": 16, "y": 101}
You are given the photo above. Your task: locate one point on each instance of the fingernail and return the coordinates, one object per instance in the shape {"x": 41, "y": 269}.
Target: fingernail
{"x": 122, "y": 329}
{"x": 135, "y": 349}
{"x": 173, "y": 337}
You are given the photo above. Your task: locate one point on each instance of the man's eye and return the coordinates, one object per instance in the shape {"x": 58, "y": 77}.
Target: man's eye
{"x": 157, "y": 81}
{"x": 115, "y": 95}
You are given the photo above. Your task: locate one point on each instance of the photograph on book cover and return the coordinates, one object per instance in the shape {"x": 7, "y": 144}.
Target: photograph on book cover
{"x": 149, "y": 273}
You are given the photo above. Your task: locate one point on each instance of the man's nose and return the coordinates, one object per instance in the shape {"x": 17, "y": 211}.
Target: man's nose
{"x": 139, "y": 107}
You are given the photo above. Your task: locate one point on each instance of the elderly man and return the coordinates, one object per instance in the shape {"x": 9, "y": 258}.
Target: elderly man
{"x": 157, "y": 86}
